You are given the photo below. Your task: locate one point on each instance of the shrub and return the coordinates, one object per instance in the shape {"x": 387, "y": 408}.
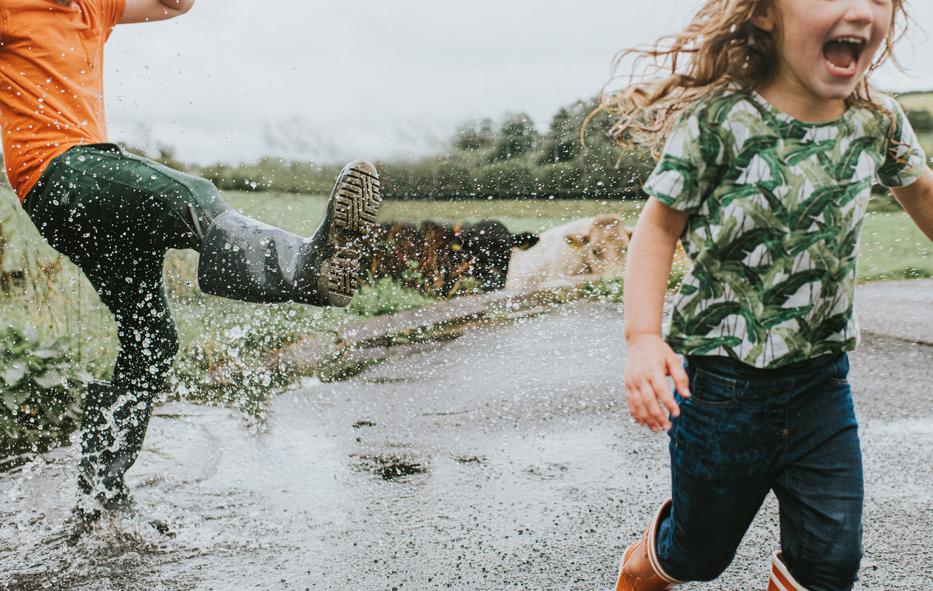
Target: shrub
{"x": 474, "y": 135}
{"x": 513, "y": 178}
{"x": 384, "y": 296}
{"x": 920, "y": 120}
{"x": 517, "y": 136}
{"x": 42, "y": 392}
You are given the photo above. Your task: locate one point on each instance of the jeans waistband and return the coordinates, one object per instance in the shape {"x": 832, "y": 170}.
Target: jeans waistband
{"x": 31, "y": 197}
{"x": 737, "y": 368}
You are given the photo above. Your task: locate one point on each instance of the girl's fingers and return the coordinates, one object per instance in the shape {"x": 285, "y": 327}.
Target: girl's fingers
{"x": 661, "y": 393}
{"x": 666, "y": 398}
{"x": 681, "y": 381}
{"x": 651, "y": 412}
{"x": 630, "y": 401}
{"x": 637, "y": 404}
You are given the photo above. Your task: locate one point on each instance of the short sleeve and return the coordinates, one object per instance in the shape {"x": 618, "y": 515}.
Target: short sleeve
{"x": 111, "y": 13}
{"x": 681, "y": 178}
{"x": 904, "y": 160}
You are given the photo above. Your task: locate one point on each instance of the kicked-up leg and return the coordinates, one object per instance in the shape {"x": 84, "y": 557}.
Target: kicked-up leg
{"x": 244, "y": 259}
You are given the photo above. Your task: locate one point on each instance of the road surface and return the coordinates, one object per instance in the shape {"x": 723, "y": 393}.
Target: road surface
{"x": 503, "y": 459}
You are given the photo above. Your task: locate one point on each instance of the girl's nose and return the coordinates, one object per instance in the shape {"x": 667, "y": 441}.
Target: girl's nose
{"x": 859, "y": 12}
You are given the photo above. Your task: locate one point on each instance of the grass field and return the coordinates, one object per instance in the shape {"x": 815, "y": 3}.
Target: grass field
{"x": 917, "y": 100}
{"x": 299, "y": 213}
{"x": 926, "y": 140}
{"x": 225, "y": 345}
{"x": 892, "y": 246}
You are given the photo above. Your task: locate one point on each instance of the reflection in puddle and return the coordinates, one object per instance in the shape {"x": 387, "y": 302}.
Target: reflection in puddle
{"x": 389, "y": 466}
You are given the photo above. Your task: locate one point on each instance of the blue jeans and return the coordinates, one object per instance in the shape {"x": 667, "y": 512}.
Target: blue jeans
{"x": 746, "y": 431}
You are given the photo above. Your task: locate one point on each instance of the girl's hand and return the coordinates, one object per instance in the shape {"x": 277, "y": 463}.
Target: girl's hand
{"x": 650, "y": 361}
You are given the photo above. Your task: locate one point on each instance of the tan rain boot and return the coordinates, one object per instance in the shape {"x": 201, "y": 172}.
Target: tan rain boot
{"x": 781, "y": 579}
{"x": 640, "y": 570}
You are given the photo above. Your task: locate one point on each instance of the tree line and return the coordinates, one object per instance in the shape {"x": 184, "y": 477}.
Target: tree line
{"x": 574, "y": 158}
{"x": 510, "y": 159}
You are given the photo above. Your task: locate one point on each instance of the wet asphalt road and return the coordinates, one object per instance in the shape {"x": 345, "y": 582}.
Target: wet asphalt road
{"x": 504, "y": 459}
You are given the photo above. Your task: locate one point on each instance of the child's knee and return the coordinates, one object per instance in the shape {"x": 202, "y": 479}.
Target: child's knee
{"x": 831, "y": 571}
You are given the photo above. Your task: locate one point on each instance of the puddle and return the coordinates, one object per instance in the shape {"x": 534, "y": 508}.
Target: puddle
{"x": 388, "y": 380}
{"x": 389, "y": 467}
{"x": 548, "y": 471}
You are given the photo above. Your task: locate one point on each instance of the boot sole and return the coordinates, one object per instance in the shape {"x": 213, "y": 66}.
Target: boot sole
{"x": 355, "y": 201}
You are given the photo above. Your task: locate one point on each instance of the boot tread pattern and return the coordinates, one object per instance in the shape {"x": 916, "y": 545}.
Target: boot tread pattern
{"x": 357, "y": 201}
{"x": 344, "y": 271}
{"x": 356, "y": 204}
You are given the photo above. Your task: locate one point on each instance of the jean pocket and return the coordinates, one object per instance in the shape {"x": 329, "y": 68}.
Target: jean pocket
{"x": 839, "y": 370}
{"x": 716, "y": 389}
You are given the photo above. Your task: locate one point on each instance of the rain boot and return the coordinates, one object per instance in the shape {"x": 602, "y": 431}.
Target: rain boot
{"x": 781, "y": 579}
{"x": 244, "y": 259}
{"x": 640, "y": 569}
{"x": 112, "y": 434}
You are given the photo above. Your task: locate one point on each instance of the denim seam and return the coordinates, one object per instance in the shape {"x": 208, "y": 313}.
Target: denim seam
{"x": 736, "y": 388}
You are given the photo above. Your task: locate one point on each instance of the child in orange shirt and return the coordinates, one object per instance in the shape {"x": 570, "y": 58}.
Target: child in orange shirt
{"x": 115, "y": 215}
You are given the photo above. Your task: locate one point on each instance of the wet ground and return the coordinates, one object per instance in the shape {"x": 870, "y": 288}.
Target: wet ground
{"x": 504, "y": 459}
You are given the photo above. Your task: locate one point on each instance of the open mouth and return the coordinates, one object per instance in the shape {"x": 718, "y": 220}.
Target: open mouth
{"x": 842, "y": 54}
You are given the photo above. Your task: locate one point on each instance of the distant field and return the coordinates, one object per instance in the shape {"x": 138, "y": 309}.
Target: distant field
{"x": 892, "y": 246}
{"x": 926, "y": 140}
{"x": 891, "y": 243}
{"x": 300, "y": 213}
{"x": 917, "y": 100}
{"x": 920, "y": 101}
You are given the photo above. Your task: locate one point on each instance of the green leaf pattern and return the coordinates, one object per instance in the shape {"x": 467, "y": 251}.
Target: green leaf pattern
{"x": 775, "y": 207}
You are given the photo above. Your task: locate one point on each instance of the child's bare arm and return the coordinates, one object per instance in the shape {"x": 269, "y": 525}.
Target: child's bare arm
{"x": 917, "y": 200}
{"x": 145, "y": 11}
{"x": 650, "y": 359}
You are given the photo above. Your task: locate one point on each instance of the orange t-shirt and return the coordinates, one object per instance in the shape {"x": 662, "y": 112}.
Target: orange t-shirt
{"x": 51, "y": 81}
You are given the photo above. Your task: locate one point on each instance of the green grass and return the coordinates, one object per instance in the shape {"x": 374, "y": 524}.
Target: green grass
{"x": 300, "y": 213}
{"x": 66, "y": 305}
{"x": 917, "y": 100}
{"x": 894, "y": 248}
{"x": 225, "y": 345}
{"x": 926, "y": 140}
{"x": 213, "y": 332}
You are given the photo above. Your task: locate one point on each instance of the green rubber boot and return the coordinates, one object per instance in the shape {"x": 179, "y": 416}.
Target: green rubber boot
{"x": 112, "y": 434}
{"x": 244, "y": 259}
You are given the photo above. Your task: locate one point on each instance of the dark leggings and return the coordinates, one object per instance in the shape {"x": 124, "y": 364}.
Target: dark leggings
{"x": 115, "y": 215}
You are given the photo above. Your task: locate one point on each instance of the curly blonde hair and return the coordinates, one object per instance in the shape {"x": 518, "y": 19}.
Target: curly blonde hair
{"x": 720, "y": 47}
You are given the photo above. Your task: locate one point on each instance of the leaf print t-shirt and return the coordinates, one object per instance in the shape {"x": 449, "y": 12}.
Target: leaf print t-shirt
{"x": 775, "y": 207}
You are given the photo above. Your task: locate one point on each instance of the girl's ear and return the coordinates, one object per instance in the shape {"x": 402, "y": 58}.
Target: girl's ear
{"x": 766, "y": 19}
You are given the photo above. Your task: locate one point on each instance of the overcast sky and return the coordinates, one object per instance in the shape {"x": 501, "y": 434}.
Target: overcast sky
{"x": 330, "y": 79}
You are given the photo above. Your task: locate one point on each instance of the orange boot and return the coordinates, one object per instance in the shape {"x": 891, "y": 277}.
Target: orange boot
{"x": 781, "y": 579}
{"x": 640, "y": 570}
